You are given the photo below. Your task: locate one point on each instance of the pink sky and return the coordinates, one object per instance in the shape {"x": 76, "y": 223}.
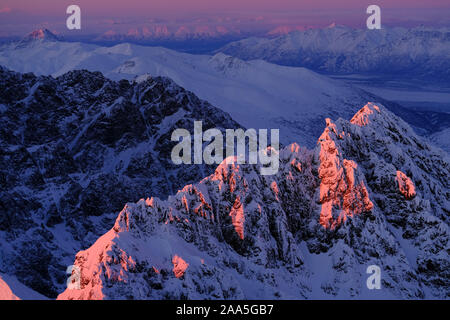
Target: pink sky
{"x": 109, "y": 7}
{"x": 18, "y": 16}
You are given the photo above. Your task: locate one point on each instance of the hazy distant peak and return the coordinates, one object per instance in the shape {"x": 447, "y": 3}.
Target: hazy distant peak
{"x": 42, "y": 34}
{"x": 38, "y": 35}
{"x": 334, "y": 25}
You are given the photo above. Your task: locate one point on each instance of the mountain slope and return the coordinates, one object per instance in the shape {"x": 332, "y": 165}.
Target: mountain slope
{"x": 11, "y": 289}
{"x": 255, "y": 93}
{"x": 370, "y": 193}
{"x": 441, "y": 138}
{"x": 419, "y": 51}
{"x": 5, "y": 291}
{"x": 68, "y": 143}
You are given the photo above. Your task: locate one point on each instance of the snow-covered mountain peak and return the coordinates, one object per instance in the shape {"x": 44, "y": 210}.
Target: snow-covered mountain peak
{"x": 311, "y": 230}
{"x": 83, "y": 137}
{"x": 362, "y": 117}
{"x": 41, "y": 34}
{"x": 226, "y": 64}
{"x": 125, "y": 49}
{"x": 343, "y": 192}
{"x": 374, "y": 128}
{"x": 334, "y": 25}
{"x": 142, "y": 78}
{"x": 342, "y": 186}
{"x": 37, "y": 36}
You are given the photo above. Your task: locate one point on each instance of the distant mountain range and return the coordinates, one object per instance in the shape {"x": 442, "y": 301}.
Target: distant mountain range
{"x": 419, "y": 52}
{"x": 164, "y": 32}
{"x": 255, "y": 93}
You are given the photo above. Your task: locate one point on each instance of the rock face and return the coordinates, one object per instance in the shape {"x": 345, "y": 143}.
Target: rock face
{"x": 310, "y": 231}
{"x": 73, "y": 150}
{"x": 340, "y": 187}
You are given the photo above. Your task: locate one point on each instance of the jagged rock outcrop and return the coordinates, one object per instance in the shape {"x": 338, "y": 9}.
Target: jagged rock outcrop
{"x": 73, "y": 150}
{"x": 310, "y": 231}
